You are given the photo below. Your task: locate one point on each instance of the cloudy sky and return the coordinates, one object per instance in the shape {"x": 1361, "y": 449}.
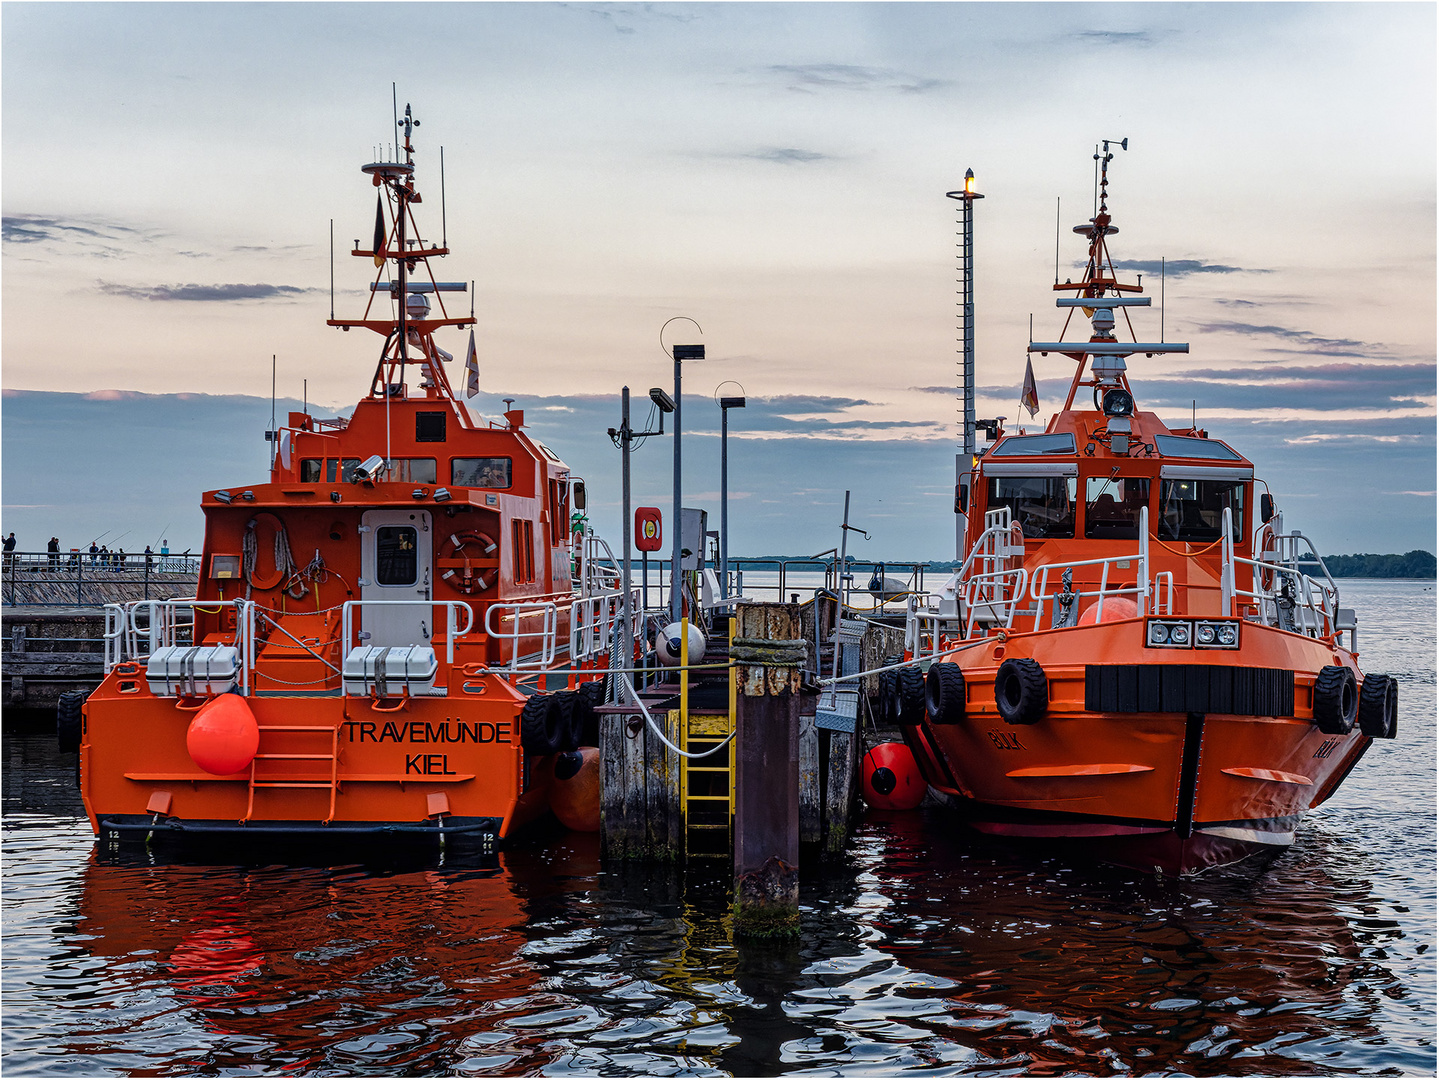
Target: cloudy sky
{"x": 775, "y": 172}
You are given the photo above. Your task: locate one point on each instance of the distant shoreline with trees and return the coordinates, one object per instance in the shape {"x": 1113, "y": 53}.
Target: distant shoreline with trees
{"x": 1412, "y": 564}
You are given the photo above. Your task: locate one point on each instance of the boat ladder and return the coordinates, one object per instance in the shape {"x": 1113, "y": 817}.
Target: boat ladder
{"x": 333, "y": 757}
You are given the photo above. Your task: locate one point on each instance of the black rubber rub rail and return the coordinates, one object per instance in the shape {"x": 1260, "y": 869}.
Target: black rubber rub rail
{"x": 1188, "y": 688}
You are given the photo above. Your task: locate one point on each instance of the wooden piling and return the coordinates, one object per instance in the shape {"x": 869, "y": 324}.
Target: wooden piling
{"x": 770, "y": 652}
{"x": 639, "y": 789}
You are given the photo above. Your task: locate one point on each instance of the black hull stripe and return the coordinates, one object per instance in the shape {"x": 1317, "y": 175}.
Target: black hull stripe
{"x": 1188, "y": 688}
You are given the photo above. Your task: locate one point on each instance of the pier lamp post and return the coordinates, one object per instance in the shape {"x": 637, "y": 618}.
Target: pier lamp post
{"x": 725, "y": 404}
{"x": 623, "y": 436}
{"x": 681, "y": 353}
{"x": 964, "y": 460}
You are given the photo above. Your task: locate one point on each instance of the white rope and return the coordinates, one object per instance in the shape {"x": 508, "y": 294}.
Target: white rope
{"x": 905, "y": 663}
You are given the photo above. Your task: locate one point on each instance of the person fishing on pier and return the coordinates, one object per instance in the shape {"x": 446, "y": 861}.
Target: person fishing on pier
{"x": 10, "y": 551}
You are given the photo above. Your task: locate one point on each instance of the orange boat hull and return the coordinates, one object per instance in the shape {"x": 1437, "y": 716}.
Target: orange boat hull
{"x": 1179, "y": 787}
{"x": 327, "y": 766}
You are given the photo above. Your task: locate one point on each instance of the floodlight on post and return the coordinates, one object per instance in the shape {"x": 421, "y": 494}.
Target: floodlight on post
{"x": 680, "y": 353}
{"x": 725, "y": 404}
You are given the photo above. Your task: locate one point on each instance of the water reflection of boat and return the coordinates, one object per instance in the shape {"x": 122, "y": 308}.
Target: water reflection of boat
{"x": 1088, "y": 968}
{"x": 282, "y": 955}
{"x": 1136, "y": 657}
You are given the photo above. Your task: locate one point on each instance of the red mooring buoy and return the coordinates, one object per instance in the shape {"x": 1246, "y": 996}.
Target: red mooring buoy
{"x": 891, "y": 778}
{"x": 575, "y": 796}
{"x": 223, "y": 737}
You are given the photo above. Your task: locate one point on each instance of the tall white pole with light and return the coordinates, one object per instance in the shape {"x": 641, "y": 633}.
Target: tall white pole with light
{"x": 963, "y": 461}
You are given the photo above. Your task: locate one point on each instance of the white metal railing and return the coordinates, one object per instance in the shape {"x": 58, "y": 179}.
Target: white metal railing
{"x": 992, "y": 598}
{"x": 547, "y": 634}
{"x": 1164, "y": 578}
{"x": 924, "y": 621}
{"x": 1281, "y": 593}
{"x": 128, "y": 639}
{"x": 598, "y": 570}
{"x": 452, "y": 630}
{"x": 1140, "y": 590}
{"x": 593, "y": 620}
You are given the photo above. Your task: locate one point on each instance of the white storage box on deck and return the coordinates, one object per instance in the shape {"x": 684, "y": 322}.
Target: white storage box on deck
{"x": 192, "y": 670}
{"x": 389, "y": 671}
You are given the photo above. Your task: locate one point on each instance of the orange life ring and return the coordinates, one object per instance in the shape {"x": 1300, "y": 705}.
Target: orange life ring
{"x": 464, "y": 560}
{"x": 258, "y": 580}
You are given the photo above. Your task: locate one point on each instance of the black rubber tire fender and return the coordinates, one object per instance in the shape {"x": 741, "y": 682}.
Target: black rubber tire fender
{"x": 69, "y": 723}
{"x": 564, "y": 720}
{"x": 1378, "y": 706}
{"x": 587, "y": 721}
{"x": 909, "y": 697}
{"x": 537, "y": 732}
{"x": 1336, "y": 700}
{"x": 944, "y": 693}
{"x": 1021, "y": 690}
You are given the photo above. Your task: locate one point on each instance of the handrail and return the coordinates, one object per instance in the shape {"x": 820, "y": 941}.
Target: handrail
{"x": 593, "y": 619}
{"x": 998, "y": 596}
{"x": 451, "y": 630}
{"x": 1289, "y": 586}
{"x": 123, "y": 632}
{"x": 547, "y": 634}
{"x": 1039, "y": 580}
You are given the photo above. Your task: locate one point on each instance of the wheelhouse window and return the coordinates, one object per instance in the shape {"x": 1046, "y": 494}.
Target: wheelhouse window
{"x": 483, "y": 472}
{"x": 1193, "y": 510}
{"x": 1112, "y": 505}
{"x": 1187, "y": 446}
{"x": 347, "y": 467}
{"x": 311, "y": 470}
{"x": 412, "y": 470}
{"x": 1043, "y": 505}
{"x": 1023, "y": 445}
{"x": 397, "y": 560}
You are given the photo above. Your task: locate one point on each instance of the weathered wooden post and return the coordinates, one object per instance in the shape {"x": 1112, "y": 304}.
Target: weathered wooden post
{"x": 769, "y": 651}
{"x": 639, "y": 788}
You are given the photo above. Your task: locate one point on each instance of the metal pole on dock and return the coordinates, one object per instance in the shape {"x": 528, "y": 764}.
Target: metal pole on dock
{"x": 681, "y": 353}
{"x": 726, "y": 404}
{"x": 769, "y": 648}
{"x": 627, "y": 644}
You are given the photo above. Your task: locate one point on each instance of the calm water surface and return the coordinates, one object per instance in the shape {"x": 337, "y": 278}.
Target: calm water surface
{"x": 927, "y": 951}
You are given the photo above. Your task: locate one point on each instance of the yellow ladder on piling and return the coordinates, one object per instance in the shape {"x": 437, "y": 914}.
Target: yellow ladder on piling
{"x": 707, "y": 784}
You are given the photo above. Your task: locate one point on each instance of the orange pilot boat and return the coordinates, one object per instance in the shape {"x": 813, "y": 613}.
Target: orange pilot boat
{"x": 1135, "y": 653}
{"x": 358, "y": 657}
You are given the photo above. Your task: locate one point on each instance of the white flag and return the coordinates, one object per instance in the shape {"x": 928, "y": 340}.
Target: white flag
{"x": 472, "y": 368}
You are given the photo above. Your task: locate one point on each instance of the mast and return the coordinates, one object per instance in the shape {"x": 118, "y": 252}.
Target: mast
{"x": 412, "y": 268}
{"x": 1104, "y": 352}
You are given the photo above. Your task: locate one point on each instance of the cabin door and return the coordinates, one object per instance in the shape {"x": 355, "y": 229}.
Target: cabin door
{"x": 395, "y": 552}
